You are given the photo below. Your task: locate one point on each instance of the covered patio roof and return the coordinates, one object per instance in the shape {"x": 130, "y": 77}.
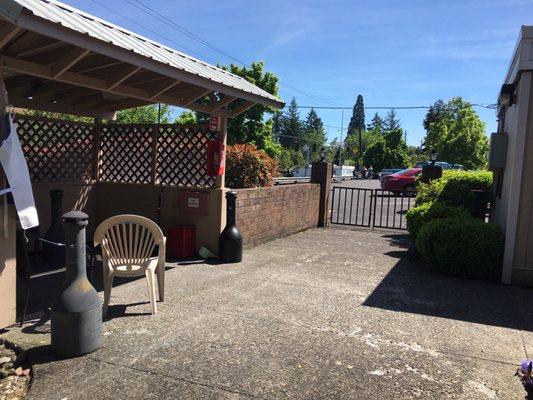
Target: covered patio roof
{"x": 56, "y": 58}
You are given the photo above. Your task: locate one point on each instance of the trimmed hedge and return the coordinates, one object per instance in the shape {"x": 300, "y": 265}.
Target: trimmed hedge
{"x": 455, "y": 189}
{"x": 418, "y": 216}
{"x": 462, "y": 247}
{"x": 248, "y": 167}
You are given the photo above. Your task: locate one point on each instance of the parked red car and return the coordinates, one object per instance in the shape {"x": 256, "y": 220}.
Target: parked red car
{"x": 400, "y": 181}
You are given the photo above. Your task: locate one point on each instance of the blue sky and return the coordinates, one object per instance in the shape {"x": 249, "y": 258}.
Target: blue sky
{"x": 394, "y": 53}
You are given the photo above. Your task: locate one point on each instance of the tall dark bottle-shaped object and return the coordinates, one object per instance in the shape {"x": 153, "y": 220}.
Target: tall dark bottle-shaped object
{"x": 230, "y": 242}
{"x": 77, "y": 312}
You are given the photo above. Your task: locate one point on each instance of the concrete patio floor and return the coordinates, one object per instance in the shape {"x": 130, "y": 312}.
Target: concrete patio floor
{"x": 327, "y": 313}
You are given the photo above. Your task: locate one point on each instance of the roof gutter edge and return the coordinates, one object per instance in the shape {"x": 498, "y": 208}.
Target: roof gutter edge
{"x": 10, "y": 10}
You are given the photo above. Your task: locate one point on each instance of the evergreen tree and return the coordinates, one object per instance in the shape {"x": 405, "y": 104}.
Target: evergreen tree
{"x": 277, "y": 125}
{"x": 292, "y": 131}
{"x": 314, "y": 131}
{"x": 435, "y": 114}
{"x": 357, "y": 122}
{"x": 376, "y": 124}
{"x": 391, "y": 122}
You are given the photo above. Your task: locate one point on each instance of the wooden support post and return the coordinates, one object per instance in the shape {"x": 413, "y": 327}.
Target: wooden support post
{"x": 155, "y": 140}
{"x": 3, "y": 179}
{"x": 97, "y": 131}
{"x": 8, "y": 253}
{"x": 222, "y": 136}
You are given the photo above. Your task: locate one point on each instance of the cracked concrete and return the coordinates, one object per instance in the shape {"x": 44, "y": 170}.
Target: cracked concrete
{"x": 328, "y": 313}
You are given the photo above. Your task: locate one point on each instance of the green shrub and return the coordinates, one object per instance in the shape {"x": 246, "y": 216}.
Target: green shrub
{"x": 420, "y": 215}
{"x": 462, "y": 247}
{"x": 248, "y": 167}
{"x": 455, "y": 189}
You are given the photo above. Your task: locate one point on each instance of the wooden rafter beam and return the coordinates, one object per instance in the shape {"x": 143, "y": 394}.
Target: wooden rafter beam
{"x": 40, "y": 49}
{"x": 8, "y": 32}
{"x": 242, "y": 108}
{"x": 22, "y": 43}
{"x": 69, "y": 60}
{"x": 164, "y": 88}
{"x": 222, "y": 103}
{"x": 59, "y": 108}
{"x": 86, "y": 68}
{"x": 195, "y": 95}
{"x": 46, "y": 72}
{"x": 130, "y": 71}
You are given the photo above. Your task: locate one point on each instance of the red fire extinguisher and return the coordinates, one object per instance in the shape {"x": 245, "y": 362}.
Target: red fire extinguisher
{"x": 216, "y": 158}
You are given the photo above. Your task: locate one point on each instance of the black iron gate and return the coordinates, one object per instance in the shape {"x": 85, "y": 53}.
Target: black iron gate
{"x": 371, "y": 208}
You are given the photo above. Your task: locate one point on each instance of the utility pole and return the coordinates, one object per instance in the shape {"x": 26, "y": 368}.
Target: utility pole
{"x": 360, "y": 148}
{"x": 340, "y": 144}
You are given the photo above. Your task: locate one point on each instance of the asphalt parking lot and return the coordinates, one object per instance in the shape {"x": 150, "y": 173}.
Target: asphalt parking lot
{"x": 362, "y": 203}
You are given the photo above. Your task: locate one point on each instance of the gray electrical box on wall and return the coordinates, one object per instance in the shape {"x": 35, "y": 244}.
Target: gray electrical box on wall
{"x": 498, "y": 151}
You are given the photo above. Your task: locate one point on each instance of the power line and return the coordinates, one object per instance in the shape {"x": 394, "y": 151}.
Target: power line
{"x": 162, "y": 18}
{"x": 152, "y": 31}
{"x": 487, "y": 106}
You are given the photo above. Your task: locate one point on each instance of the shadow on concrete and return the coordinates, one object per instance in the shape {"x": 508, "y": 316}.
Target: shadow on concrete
{"x": 410, "y": 288}
{"x": 119, "y": 311}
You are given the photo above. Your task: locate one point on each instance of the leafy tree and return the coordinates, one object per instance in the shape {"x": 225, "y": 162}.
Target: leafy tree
{"x": 186, "y": 118}
{"x": 351, "y": 144}
{"x": 395, "y": 139}
{"x": 380, "y": 156}
{"x": 292, "y": 127}
{"x": 388, "y": 151}
{"x": 54, "y": 115}
{"x": 391, "y": 121}
{"x": 376, "y": 124}
{"x": 416, "y": 155}
{"x": 290, "y": 159}
{"x": 376, "y": 155}
{"x": 250, "y": 126}
{"x": 144, "y": 115}
{"x": 460, "y": 135}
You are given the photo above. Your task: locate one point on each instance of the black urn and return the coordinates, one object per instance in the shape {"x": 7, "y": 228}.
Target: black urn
{"x": 230, "y": 241}
{"x": 76, "y": 314}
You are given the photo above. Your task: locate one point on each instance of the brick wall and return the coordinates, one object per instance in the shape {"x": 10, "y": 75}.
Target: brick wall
{"x": 265, "y": 214}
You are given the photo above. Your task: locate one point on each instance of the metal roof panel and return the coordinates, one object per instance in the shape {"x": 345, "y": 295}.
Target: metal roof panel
{"x": 79, "y": 21}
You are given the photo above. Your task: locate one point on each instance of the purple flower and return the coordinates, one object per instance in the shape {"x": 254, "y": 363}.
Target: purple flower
{"x": 526, "y": 366}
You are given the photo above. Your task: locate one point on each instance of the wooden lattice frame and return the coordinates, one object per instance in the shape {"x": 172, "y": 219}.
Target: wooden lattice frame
{"x": 126, "y": 153}
{"x": 181, "y": 156}
{"x": 56, "y": 150}
{"x": 166, "y": 154}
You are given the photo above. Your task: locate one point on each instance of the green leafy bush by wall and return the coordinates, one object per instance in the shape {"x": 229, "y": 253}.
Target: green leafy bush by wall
{"x": 462, "y": 247}
{"x": 455, "y": 188}
{"x": 248, "y": 167}
{"x": 420, "y": 215}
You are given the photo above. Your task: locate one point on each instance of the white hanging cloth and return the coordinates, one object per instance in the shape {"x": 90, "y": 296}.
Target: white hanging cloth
{"x": 16, "y": 171}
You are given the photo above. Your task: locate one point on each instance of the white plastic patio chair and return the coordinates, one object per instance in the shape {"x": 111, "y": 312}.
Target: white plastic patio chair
{"x": 128, "y": 242}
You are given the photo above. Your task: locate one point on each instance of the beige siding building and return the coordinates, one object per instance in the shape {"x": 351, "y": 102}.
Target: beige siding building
{"x": 513, "y": 163}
